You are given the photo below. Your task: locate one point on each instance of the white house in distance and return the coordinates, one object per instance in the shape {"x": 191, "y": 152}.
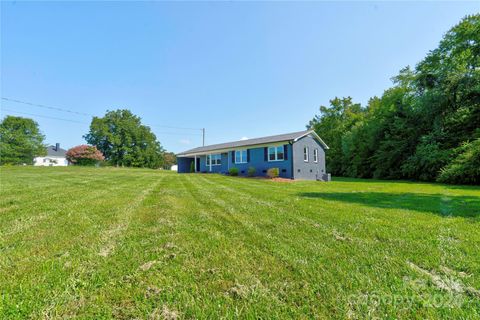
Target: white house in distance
{"x": 55, "y": 157}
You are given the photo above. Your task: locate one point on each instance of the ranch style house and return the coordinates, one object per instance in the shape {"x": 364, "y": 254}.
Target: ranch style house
{"x": 297, "y": 155}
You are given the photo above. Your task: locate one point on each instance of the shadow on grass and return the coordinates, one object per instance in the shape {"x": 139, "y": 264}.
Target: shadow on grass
{"x": 445, "y": 206}
{"x": 433, "y": 183}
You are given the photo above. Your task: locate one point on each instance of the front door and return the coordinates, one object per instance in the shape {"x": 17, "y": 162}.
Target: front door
{"x": 198, "y": 164}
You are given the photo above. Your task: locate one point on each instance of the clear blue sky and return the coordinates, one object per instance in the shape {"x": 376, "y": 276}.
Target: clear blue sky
{"x": 237, "y": 69}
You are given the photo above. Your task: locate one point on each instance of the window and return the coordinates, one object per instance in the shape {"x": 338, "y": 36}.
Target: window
{"x": 315, "y": 155}
{"x": 214, "y": 159}
{"x": 241, "y": 156}
{"x": 275, "y": 153}
{"x": 305, "y": 154}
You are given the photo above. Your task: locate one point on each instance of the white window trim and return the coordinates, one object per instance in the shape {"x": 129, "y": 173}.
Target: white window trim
{"x": 315, "y": 155}
{"x": 241, "y": 158}
{"x": 276, "y": 154}
{"x": 305, "y": 152}
{"x": 210, "y": 163}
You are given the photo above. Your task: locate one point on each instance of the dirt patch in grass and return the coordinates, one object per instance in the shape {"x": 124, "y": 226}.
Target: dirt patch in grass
{"x": 446, "y": 283}
{"x": 148, "y": 265}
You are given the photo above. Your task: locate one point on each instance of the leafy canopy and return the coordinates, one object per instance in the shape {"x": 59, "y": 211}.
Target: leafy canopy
{"x": 124, "y": 140}
{"x": 20, "y": 141}
{"x": 421, "y": 128}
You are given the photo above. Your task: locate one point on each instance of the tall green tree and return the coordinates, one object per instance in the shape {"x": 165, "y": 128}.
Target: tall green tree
{"x": 425, "y": 127}
{"x": 332, "y": 123}
{"x": 124, "y": 140}
{"x": 20, "y": 141}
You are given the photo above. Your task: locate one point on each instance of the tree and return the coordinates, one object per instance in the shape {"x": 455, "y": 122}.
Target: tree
{"x": 465, "y": 168}
{"x": 84, "y": 155}
{"x": 169, "y": 159}
{"x": 425, "y": 127}
{"x": 124, "y": 141}
{"x": 332, "y": 123}
{"x": 20, "y": 141}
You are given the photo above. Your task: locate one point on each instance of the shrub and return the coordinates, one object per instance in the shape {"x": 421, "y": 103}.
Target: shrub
{"x": 273, "y": 173}
{"x": 84, "y": 155}
{"x": 251, "y": 171}
{"x": 233, "y": 171}
{"x": 192, "y": 167}
{"x": 465, "y": 168}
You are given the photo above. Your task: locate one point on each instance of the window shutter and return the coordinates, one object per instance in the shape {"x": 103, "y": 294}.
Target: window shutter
{"x": 265, "y": 154}
{"x": 233, "y": 156}
{"x": 248, "y": 155}
{"x": 285, "y": 151}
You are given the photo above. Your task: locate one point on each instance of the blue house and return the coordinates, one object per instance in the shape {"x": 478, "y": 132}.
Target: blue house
{"x": 297, "y": 155}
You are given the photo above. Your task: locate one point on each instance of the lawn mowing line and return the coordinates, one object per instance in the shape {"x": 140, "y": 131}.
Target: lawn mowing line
{"x": 236, "y": 191}
{"x": 98, "y": 195}
{"x": 278, "y": 210}
{"x": 109, "y": 239}
{"x": 293, "y": 243}
{"x": 36, "y": 219}
{"x": 70, "y": 307}
{"x": 307, "y": 216}
{"x": 110, "y": 235}
{"x": 244, "y": 194}
{"x": 279, "y": 197}
{"x": 216, "y": 222}
{"x": 52, "y": 193}
{"x": 252, "y": 232}
{"x": 256, "y": 240}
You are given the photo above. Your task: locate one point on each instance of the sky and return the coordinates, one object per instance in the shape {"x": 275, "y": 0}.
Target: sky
{"x": 237, "y": 69}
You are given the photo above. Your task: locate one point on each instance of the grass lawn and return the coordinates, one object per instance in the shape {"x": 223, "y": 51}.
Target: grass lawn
{"x": 132, "y": 243}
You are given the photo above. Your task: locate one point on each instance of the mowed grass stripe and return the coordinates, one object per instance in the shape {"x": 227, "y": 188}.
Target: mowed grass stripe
{"x": 265, "y": 249}
{"x": 210, "y": 246}
{"x": 82, "y": 236}
{"x": 399, "y": 264}
{"x": 103, "y": 271}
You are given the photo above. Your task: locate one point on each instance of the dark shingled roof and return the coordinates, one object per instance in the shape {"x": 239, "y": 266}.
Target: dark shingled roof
{"x": 244, "y": 143}
{"x": 51, "y": 152}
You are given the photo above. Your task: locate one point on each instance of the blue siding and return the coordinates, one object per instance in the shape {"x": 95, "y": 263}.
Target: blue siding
{"x": 184, "y": 164}
{"x": 256, "y": 160}
{"x": 223, "y": 168}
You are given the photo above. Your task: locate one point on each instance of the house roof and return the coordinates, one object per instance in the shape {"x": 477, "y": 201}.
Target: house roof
{"x": 250, "y": 142}
{"x": 51, "y": 152}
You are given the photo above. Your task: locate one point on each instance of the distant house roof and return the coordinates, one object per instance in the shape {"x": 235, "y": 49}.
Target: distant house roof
{"x": 250, "y": 142}
{"x": 53, "y": 151}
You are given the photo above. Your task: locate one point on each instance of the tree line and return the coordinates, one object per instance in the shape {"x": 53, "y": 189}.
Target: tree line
{"x": 119, "y": 138}
{"x": 425, "y": 127}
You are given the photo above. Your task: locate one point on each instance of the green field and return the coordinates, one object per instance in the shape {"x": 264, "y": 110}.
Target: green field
{"x": 132, "y": 243}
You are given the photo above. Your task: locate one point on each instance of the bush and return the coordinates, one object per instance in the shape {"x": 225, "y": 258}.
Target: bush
{"x": 84, "y": 155}
{"x": 192, "y": 167}
{"x": 273, "y": 173}
{"x": 251, "y": 171}
{"x": 233, "y": 171}
{"x": 465, "y": 168}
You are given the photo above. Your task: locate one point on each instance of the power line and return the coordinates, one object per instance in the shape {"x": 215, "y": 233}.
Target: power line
{"x": 41, "y": 116}
{"x": 47, "y": 107}
{"x": 84, "y": 114}
{"x": 69, "y": 120}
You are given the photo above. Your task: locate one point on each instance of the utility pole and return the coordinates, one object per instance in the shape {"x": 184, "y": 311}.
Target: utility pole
{"x": 203, "y": 135}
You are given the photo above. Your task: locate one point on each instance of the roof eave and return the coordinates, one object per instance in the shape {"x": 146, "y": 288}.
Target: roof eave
{"x": 315, "y": 135}
{"x": 255, "y": 145}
